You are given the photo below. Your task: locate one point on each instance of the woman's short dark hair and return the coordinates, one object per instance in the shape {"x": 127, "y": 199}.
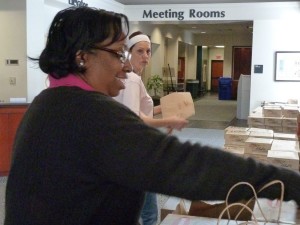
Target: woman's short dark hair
{"x": 79, "y": 28}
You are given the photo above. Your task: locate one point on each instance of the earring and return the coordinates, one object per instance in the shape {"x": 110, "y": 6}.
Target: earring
{"x": 81, "y": 64}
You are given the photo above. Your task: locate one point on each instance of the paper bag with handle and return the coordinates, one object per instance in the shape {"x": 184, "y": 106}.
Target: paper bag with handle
{"x": 209, "y": 209}
{"x": 213, "y": 208}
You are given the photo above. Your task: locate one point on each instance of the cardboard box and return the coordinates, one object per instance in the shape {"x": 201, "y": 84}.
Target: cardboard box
{"x": 260, "y": 130}
{"x": 260, "y": 158}
{"x": 273, "y": 121}
{"x": 289, "y": 130}
{"x": 236, "y": 137}
{"x": 285, "y": 136}
{"x": 289, "y": 122}
{"x": 287, "y": 145}
{"x": 272, "y": 111}
{"x": 258, "y": 146}
{"x": 274, "y": 128}
{"x": 290, "y": 111}
{"x": 287, "y": 159}
{"x": 261, "y": 135}
{"x": 257, "y": 126}
{"x": 256, "y": 120}
{"x": 234, "y": 128}
{"x": 235, "y": 149}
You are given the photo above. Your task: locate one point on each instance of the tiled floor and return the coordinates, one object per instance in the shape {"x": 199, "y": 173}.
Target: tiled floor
{"x": 203, "y": 131}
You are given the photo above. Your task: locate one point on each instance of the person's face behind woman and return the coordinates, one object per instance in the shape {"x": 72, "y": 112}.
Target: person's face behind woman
{"x": 104, "y": 69}
{"x": 140, "y": 56}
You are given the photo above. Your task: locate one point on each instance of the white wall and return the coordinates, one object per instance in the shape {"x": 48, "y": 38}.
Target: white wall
{"x": 39, "y": 16}
{"x": 270, "y": 36}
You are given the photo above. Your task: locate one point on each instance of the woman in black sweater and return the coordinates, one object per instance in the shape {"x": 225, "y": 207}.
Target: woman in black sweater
{"x": 80, "y": 157}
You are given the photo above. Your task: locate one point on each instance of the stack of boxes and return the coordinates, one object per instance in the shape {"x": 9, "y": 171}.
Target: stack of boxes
{"x": 285, "y": 153}
{"x": 264, "y": 145}
{"x": 277, "y": 117}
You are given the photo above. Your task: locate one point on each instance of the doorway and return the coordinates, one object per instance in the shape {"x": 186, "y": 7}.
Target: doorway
{"x": 241, "y": 61}
{"x": 181, "y": 70}
{"x": 216, "y": 73}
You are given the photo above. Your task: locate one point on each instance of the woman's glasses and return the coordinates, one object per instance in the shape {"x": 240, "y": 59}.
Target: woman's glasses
{"x": 122, "y": 55}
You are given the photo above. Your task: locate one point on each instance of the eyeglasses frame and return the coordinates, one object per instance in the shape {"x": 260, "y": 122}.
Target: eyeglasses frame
{"x": 120, "y": 54}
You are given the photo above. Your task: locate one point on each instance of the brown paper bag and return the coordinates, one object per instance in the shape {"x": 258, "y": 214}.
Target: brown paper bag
{"x": 177, "y": 104}
{"x": 213, "y": 210}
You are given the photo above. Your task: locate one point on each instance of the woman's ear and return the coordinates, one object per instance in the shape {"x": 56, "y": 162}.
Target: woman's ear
{"x": 80, "y": 59}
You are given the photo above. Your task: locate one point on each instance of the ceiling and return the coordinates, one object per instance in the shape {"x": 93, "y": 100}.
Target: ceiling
{"x": 210, "y": 27}
{"x": 150, "y": 2}
{"x": 216, "y": 27}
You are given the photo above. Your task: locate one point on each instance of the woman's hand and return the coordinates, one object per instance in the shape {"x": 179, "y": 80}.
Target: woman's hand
{"x": 157, "y": 110}
{"x": 176, "y": 123}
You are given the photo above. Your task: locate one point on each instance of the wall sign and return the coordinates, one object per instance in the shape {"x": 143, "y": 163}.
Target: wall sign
{"x": 258, "y": 68}
{"x": 287, "y": 66}
{"x": 181, "y": 15}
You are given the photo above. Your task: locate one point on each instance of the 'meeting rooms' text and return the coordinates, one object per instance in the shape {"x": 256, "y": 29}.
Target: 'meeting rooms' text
{"x": 180, "y": 14}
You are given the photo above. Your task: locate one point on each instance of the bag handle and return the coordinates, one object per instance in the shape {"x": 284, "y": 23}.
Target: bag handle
{"x": 244, "y": 207}
{"x": 256, "y": 198}
{"x": 247, "y": 203}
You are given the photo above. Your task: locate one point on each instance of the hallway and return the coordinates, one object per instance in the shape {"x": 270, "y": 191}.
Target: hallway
{"x": 212, "y": 113}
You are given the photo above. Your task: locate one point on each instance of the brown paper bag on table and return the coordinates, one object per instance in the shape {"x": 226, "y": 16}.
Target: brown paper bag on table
{"x": 177, "y": 104}
{"x": 213, "y": 209}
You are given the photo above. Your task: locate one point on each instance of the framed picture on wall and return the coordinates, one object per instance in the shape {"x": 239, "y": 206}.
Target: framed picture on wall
{"x": 287, "y": 66}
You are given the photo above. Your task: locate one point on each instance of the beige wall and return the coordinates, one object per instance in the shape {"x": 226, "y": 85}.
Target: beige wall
{"x": 165, "y": 49}
{"x": 228, "y": 41}
{"x": 13, "y": 46}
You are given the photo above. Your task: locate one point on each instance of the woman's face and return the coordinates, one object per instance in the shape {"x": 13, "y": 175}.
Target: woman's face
{"x": 140, "y": 56}
{"x": 105, "y": 69}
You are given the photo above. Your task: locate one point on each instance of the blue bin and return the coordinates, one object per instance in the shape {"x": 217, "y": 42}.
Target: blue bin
{"x": 225, "y": 87}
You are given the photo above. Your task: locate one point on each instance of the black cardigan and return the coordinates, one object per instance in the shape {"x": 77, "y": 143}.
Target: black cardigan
{"x": 80, "y": 157}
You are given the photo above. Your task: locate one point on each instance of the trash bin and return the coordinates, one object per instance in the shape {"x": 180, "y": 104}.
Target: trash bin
{"x": 192, "y": 87}
{"x": 225, "y": 86}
